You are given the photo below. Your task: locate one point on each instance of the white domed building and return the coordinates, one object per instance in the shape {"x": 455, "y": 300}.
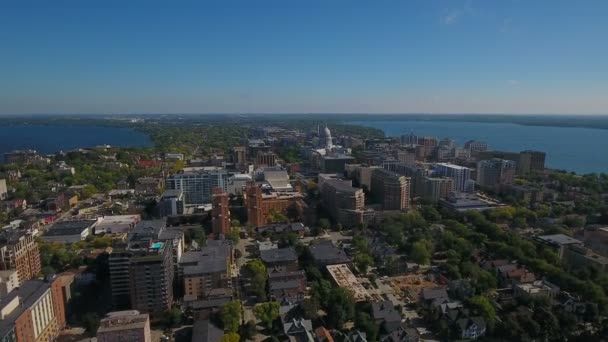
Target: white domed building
{"x": 329, "y": 144}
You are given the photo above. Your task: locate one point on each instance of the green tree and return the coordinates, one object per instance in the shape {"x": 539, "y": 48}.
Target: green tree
{"x": 365, "y": 323}
{"x": 421, "y": 252}
{"x": 482, "y": 306}
{"x": 172, "y": 317}
{"x": 341, "y": 307}
{"x": 230, "y": 315}
{"x": 90, "y": 322}
{"x": 324, "y": 224}
{"x": 267, "y": 313}
{"x": 363, "y": 261}
{"x": 230, "y": 337}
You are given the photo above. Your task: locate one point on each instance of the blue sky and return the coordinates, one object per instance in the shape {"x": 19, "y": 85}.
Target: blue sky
{"x": 284, "y": 56}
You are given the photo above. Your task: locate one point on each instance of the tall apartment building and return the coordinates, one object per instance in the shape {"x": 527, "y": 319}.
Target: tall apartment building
{"x": 122, "y": 326}
{"x": 3, "y": 189}
{"x": 391, "y": 189}
{"x": 537, "y": 160}
{"x": 523, "y": 160}
{"x": 220, "y": 213}
{"x": 239, "y": 155}
{"x": 8, "y": 282}
{"x": 345, "y": 204}
{"x": 19, "y": 251}
{"x": 33, "y": 312}
{"x": 151, "y": 278}
{"x": 142, "y": 270}
{"x": 460, "y": 174}
{"x": 171, "y": 203}
{"x": 494, "y": 172}
{"x": 434, "y": 189}
{"x": 475, "y": 146}
{"x": 429, "y": 144}
{"x": 416, "y": 174}
{"x": 406, "y": 156}
{"x": 265, "y": 159}
{"x": 197, "y": 185}
{"x": 260, "y": 203}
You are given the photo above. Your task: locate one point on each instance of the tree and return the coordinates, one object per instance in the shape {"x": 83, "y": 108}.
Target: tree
{"x": 267, "y": 313}
{"x": 234, "y": 235}
{"x": 230, "y": 337}
{"x": 482, "y": 306}
{"x": 230, "y": 315}
{"x": 341, "y": 307}
{"x": 248, "y": 331}
{"x": 172, "y": 317}
{"x": 363, "y": 261}
{"x": 324, "y": 224}
{"x": 364, "y": 322}
{"x": 421, "y": 252}
{"x": 90, "y": 322}
{"x": 88, "y": 191}
{"x": 310, "y": 308}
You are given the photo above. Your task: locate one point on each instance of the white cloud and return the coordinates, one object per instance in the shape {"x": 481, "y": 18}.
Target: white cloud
{"x": 451, "y": 17}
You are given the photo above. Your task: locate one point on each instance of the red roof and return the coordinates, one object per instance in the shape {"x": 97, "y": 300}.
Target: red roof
{"x": 148, "y": 163}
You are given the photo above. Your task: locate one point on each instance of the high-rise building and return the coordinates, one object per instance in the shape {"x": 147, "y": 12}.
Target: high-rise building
{"x": 391, "y": 189}
{"x": 523, "y": 160}
{"x": 475, "y": 146}
{"x": 19, "y": 251}
{"x": 415, "y": 173}
{"x": 141, "y": 271}
{"x": 261, "y": 203}
{"x": 240, "y": 155}
{"x": 220, "y": 213}
{"x": 197, "y": 185}
{"x": 171, "y": 203}
{"x": 3, "y": 189}
{"x": 537, "y": 160}
{"x": 345, "y": 203}
{"x": 151, "y": 274}
{"x": 460, "y": 174}
{"x": 428, "y": 144}
{"x": 265, "y": 159}
{"x": 434, "y": 189}
{"x": 335, "y": 163}
{"x": 493, "y": 172}
{"x": 409, "y": 139}
{"x": 406, "y": 156}
{"x": 119, "y": 326}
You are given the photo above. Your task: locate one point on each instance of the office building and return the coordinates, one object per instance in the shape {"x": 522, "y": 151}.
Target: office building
{"x": 122, "y": 326}
{"x": 171, "y": 203}
{"x": 335, "y": 163}
{"x": 261, "y": 203}
{"x": 391, "y": 189}
{"x": 409, "y": 139}
{"x": 265, "y": 159}
{"x": 197, "y": 185}
{"x": 220, "y": 214}
{"x": 239, "y": 155}
{"x": 3, "y": 190}
{"x": 495, "y": 172}
{"x": 70, "y": 231}
{"x": 19, "y": 251}
{"x": 427, "y": 146}
{"x": 460, "y": 174}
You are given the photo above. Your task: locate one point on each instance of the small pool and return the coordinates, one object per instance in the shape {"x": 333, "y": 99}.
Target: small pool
{"x": 157, "y": 245}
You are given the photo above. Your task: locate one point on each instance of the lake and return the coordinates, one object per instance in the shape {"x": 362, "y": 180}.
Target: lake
{"x": 50, "y": 139}
{"x": 582, "y": 150}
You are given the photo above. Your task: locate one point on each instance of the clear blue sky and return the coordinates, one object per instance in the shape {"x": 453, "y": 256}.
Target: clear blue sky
{"x": 304, "y": 56}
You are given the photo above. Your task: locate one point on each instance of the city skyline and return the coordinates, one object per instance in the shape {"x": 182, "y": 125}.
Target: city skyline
{"x": 315, "y": 57}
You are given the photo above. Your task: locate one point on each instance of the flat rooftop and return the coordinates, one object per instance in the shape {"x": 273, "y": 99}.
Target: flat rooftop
{"x": 559, "y": 239}
{"x": 345, "y": 278}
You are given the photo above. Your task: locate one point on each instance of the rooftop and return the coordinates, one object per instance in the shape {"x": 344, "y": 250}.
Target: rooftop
{"x": 345, "y": 278}
{"x": 123, "y": 320}
{"x": 70, "y": 227}
{"x": 559, "y": 239}
{"x": 278, "y": 255}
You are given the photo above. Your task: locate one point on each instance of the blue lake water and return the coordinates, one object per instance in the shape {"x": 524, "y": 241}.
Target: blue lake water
{"x": 50, "y": 139}
{"x": 582, "y": 150}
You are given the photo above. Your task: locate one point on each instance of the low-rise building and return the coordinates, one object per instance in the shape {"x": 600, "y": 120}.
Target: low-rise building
{"x": 282, "y": 257}
{"x": 118, "y": 224}
{"x": 69, "y": 231}
{"x": 325, "y": 253}
{"x": 9, "y": 280}
{"x": 344, "y": 277}
{"x": 385, "y": 314}
{"x": 119, "y": 326}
